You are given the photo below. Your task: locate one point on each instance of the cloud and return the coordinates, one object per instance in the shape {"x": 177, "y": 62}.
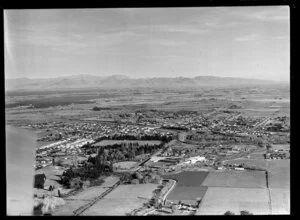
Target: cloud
{"x": 247, "y": 37}
{"x": 281, "y": 37}
{"x": 167, "y": 43}
{"x": 270, "y": 14}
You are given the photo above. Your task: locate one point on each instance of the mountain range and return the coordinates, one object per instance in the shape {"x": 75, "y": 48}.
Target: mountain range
{"x": 85, "y": 81}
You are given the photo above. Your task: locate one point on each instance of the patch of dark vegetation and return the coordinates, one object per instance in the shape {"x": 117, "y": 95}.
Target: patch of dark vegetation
{"x": 53, "y": 101}
{"x": 96, "y": 108}
{"x": 235, "y": 107}
{"x": 39, "y": 181}
{"x": 175, "y": 128}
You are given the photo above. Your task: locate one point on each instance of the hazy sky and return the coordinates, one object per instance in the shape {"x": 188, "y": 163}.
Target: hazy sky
{"x": 148, "y": 42}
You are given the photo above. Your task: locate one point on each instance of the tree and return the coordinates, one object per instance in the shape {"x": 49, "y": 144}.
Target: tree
{"x": 229, "y": 213}
{"x": 39, "y": 181}
{"x": 245, "y": 212}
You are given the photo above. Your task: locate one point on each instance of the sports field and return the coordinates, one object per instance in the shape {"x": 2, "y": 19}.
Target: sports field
{"x": 218, "y": 200}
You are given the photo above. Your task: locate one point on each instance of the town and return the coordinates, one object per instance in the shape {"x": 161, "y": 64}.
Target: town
{"x": 146, "y": 146}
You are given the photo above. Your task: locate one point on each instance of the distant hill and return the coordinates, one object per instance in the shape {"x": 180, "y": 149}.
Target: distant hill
{"x": 121, "y": 82}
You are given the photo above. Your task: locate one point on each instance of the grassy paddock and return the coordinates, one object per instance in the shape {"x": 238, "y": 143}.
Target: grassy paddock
{"x": 218, "y": 200}
{"x": 122, "y": 200}
{"x": 236, "y": 179}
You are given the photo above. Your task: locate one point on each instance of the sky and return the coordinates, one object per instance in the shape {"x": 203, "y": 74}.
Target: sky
{"x": 248, "y": 42}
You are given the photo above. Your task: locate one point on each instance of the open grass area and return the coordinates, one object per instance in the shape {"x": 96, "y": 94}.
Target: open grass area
{"x": 259, "y": 163}
{"x": 69, "y": 207}
{"x": 124, "y": 165}
{"x": 52, "y": 175}
{"x": 236, "y": 179}
{"x": 83, "y": 197}
{"x": 133, "y": 191}
{"x": 218, "y": 200}
{"x": 114, "y": 207}
{"x": 122, "y": 200}
{"x": 280, "y": 147}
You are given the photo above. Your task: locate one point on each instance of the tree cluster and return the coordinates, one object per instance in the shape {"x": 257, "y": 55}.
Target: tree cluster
{"x": 144, "y": 137}
{"x": 124, "y": 151}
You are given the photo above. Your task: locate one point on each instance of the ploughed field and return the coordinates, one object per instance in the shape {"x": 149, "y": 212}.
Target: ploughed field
{"x": 188, "y": 186}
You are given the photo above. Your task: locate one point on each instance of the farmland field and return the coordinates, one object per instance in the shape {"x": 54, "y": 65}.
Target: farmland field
{"x": 122, "y": 200}
{"x": 114, "y": 206}
{"x": 263, "y": 164}
{"x": 187, "y": 193}
{"x": 279, "y": 174}
{"x": 236, "y": 179}
{"x": 73, "y": 202}
{"x": 280, "y": 200}
{"x": 188, "y": 186}
{"x": 188, "y": 178}
{"x": 218, "y": 200}
{"x": 69, "y": 207}
{"x": 280, "y": 146}
{"x": 257, "y": 155}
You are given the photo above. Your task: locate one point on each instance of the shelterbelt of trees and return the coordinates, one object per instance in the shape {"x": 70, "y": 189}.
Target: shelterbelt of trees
{"x": 106, "y": 156}
{"x": 143, "y": 137}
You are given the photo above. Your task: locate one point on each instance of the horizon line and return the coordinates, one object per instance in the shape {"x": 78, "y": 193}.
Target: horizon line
{"x": 145, "y": 77}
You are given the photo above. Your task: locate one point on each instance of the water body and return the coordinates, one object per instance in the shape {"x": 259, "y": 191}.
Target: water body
{"x": 20, "y": 147}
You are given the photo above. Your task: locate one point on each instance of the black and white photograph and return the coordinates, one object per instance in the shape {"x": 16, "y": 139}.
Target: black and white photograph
{"x": 147, "y": 111}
